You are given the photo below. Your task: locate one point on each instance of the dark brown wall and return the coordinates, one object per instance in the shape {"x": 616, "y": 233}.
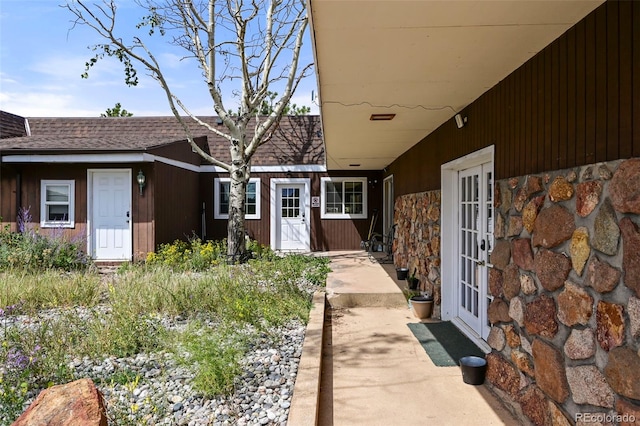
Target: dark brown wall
{"x": 576, "y": 102}
{"x": 334, "y": 234}
{"x": 176, "y": 204}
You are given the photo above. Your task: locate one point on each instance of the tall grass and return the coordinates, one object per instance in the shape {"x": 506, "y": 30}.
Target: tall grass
{"x": 120, "y": 316}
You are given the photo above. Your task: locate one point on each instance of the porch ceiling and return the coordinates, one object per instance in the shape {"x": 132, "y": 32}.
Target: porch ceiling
{"x": 421, "y": 60}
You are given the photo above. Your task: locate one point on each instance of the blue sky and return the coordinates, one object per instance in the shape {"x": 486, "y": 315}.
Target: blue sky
{"x": 42, "y": 59}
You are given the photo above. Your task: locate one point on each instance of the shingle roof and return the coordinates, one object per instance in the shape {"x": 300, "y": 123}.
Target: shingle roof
{"x": 12, "y": 125}
{"x": 297, "y": 140}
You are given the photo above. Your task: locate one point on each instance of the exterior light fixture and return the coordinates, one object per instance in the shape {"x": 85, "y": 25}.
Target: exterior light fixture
{"x": 460, "y": 120}
{"x": 381, "y": 117}
{"x": 142, "y": 180}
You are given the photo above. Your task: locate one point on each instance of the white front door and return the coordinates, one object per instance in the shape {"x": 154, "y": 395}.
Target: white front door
{"x": 291, "y": 221}
{"x": 475, "y": 237}
{"x": 110, "y": 214}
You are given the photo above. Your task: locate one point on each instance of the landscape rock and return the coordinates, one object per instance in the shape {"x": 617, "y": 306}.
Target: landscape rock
{"x": 630, "y": 412}
{"x": 540, "y": 317}
{"x": 502, "y": 374}
{"x": 631, "y": 254}
{"x": 606, "y": 233}
{"x": 579, "y": 249}
{"x": 589, "y": 386}
{"x": 534, "y": 405}
{"x": 575, "y": 305}
{"x": 560, "y": 190}
{"x": 633, "y": 310}
{"x": 551, "y": 268}
{"x": 553, "y": 226}
{"x": 521, "y": 198}
{"x": 513, "y": 338}
{"x": 498, "y": 311}
{"x": 496, "y": 338}
{"x": 501, "y": 254}
{"x": 580, "y": 344}
{"x": 556, "y": 416}
{"x": 495, "y": 282}
{"x": 601, "y": 276}
{"x": 609, "y": 325}
{"x": 623, "y": 372}
{"x": 533, "y": 184}
{"x": 528, "y": 284}
{"x": 515, "y": 226}
{"x": 550, "y": 371}
{"x": 523, "y": 362}
{"x": 587, "y": 197}
{"x": 522, "y": 253}
{"x": 625, "y": 187}
{"x": 530, "y": 212}
{"x": 516, "y": 310}
{"x": 511, "y": 283}
{"x": 77, "y": 403}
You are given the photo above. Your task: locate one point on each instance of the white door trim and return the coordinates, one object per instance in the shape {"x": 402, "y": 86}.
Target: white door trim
{"x": 90, "y": 239}
{"x": 274, "y": 209}
{"x": 449, "y": 227}
{"x": 388, "y": 200}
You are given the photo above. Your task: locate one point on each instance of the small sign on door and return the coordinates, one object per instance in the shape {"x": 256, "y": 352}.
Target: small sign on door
{"x": 315, "y": 201}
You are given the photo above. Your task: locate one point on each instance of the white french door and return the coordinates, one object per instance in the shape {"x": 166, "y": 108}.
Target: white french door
{"x": 475, "y": 242}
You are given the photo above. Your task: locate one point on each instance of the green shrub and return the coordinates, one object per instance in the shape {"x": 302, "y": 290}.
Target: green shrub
{"x": 31, "y": 250}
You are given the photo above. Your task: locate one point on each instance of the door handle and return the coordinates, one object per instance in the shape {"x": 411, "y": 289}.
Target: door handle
{"x": 481, "y": 263}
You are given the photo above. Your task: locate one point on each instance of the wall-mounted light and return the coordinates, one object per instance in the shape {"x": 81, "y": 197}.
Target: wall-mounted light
{"x": 460, "y": 121}
{"x": 142, "y": 180}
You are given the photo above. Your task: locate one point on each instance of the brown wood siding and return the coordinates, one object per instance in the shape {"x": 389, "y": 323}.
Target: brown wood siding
{"x": 326, "y": 234}
{"x": 175, "y": 203}
{"x": 576, "y": 102}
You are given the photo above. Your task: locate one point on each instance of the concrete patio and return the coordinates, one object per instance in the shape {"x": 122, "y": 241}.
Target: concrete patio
{"x": 363, "y": 366}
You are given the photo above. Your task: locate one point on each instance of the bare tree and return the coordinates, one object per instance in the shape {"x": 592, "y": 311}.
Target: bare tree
{"x": 252, "y": 45}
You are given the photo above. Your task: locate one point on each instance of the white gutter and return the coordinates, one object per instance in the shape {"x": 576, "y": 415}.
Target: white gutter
{"x": 148, "y": 158}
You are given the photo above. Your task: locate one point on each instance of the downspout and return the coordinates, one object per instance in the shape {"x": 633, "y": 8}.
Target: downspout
{"x": 18, "y": 196}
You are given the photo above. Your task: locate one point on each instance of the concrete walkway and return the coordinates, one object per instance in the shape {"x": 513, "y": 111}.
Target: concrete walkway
{"x": 374, "y": 371}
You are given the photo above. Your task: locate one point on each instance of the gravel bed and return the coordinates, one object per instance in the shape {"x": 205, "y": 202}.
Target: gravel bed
{"x": 158, "y": 391}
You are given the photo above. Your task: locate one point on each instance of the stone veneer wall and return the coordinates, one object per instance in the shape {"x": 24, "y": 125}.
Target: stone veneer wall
{"x": 417, "y": 240}
{"x": 566, "y": 287}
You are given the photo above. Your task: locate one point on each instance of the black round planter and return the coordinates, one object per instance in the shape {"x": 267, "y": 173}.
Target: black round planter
{"x": 473, "y": 369}
{"x": 402, "y": 273}
{"x": 413, "y": 283}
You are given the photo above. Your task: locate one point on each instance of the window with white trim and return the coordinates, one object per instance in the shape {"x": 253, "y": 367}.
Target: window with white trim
{"x": 343, "y": 198}
{"x": 222, "y": 188}
{"x": 57, "y": 203}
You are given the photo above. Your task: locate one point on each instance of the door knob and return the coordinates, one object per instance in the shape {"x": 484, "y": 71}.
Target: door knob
{"x": 481, "y": 263}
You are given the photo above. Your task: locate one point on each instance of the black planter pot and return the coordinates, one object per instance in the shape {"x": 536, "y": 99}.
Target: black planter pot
{"x": 402, "y": 273}
{"x": 413, "y": 283}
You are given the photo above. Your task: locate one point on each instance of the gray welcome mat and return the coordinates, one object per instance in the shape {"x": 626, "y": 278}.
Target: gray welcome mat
{"x": 444, "y": 343}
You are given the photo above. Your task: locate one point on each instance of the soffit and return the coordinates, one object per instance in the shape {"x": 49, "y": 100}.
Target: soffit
{"x": 422, "y": 60}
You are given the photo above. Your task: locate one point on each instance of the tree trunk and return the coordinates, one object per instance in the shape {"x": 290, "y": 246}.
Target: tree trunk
{"x": 239, "y": 175}
{"x": 236, "y": 245}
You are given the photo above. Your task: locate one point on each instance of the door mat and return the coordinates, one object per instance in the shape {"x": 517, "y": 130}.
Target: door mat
{"x": 444, "y": 343}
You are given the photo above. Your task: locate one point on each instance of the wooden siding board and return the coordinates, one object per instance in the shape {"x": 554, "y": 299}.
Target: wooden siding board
{"x": 562, "y": 122}
{"x": 548, "y": 95}
{"x": 580, "y": 83}
{"x": 613, "y": 81}
{"x": 529, "y": 116}
{"x": 590, "y": 92}
{"x": 571, "y": 98}
{"x": 636, "y": 79}
{"x": 626, "y": 75}
{"x": 540, "y": 140}
{"x": 601, "y": 85}
{"x": 555, "y": 106}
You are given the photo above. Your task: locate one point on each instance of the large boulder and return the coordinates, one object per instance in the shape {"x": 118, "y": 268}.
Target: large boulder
{"x": 77, "y": 403}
